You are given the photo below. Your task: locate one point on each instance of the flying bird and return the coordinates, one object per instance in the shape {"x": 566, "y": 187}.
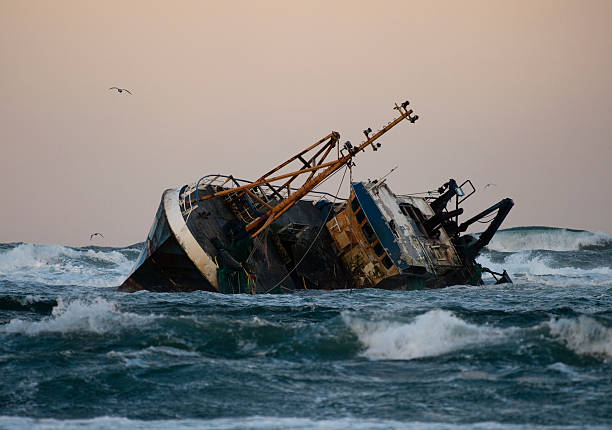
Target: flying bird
{"x": 120, "y": 90}
{"x": 490, "y": 185}
{"x": 96, "y": 234}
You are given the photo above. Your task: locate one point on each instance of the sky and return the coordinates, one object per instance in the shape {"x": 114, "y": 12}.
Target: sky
{"x": 517, "y": 93}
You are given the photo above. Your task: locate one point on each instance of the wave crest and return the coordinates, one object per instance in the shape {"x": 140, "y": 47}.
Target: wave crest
{"x": 583, "y": 335}
{"x": 27, "y": 255}
{"x": 547, "y": 238}
{"x": 529, "y": 263}
{"x": 61, "y": 265}
{"x": 433, "y": 333}
{"x": 99, "y": 316}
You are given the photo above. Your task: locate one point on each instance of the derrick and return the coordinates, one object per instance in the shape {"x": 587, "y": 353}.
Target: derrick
{"x": 314, "y": 169}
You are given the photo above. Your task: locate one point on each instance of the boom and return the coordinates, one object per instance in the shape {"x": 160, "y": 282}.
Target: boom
{"x": 314, "y": 166}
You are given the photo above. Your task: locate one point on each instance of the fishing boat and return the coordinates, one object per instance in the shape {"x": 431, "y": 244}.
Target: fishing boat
{"x": 279, "y": 234}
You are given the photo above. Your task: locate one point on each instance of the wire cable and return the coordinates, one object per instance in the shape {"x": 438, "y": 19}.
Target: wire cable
{"x": 314, "y": 240}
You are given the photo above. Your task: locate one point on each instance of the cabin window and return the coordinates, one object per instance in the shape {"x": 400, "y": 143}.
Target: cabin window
{"x": 415, "y": 214}
{"x": 368, "y": 232}
{"x": 387, "y": 262}
{"x": 354, "y": 204}
{"x": 360, "y": 216}
{"x": 378, "y": 249}
{"x": 412, "y": 211}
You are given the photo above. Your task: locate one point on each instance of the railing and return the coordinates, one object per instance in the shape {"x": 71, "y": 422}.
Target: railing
{"x": 257, "y": 199}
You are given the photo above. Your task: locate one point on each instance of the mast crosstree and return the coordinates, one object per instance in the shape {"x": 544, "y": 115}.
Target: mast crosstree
{"x": 314, "y": 165}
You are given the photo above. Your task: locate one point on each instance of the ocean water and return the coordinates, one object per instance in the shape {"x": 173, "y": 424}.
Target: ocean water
{"x": 77, "y": 354}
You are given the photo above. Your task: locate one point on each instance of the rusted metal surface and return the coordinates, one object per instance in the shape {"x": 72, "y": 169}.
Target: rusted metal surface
{"x": 363, "y": 254}
{"x": 361, "y": 234}
{"x": 437, "y": 252}
{"x": 258, "y": 225}
{"x": 264, "y": 221}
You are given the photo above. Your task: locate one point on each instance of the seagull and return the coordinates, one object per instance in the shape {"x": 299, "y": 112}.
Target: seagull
{"x": 96, "y": 234}
{"x": 490, "y": 185}
{"x": 120, "y": 90}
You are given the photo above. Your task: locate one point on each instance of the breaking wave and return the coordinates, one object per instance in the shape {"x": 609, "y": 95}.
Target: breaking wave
{"x": 583, "y": 335}
{"x": 547, "y": 238}
{"x": 530, "y": 263}
{"x": 97, "y": 316}
{"x": 438, "y": 332}
{"x": 62, "y": 265}
{"x": 433, "y": 333}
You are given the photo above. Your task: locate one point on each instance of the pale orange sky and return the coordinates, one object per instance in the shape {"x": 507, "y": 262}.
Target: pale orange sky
{"x": 514, "y": 93}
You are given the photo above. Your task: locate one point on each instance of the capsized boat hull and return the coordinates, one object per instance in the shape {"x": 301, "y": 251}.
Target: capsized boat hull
{"x": 374, "y": 239}
{"x": 278, "y": 234}
{"x": 182, "y": 254}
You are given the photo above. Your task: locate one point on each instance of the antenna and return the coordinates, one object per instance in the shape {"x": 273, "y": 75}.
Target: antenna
{"x": 382, "y": 179}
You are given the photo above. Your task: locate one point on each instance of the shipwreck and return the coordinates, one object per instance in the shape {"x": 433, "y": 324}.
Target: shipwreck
{"x": 279, "y": 234}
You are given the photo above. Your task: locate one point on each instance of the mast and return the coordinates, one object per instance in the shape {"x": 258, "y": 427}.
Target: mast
{"x": 311, "y": 166}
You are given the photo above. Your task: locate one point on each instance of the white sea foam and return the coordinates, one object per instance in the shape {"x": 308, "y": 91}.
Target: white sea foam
{"x": 29, "y": 299}
{"x": 98, "y": 316}
{"x": 433, "y": 333}
{"x": 27, "y": 255}
{"x": 260, "y": 422}
{"x": 527, "y": 262}
{"x": 583, "y": 335}
{"x": 553, "y": 239}
{"x": 61, "y": 265}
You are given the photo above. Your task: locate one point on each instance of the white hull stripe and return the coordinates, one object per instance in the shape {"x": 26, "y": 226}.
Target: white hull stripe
{"x": 196, "y": 254}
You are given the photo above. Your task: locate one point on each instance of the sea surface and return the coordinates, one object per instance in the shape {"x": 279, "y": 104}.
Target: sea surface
{"x": 77, "y": 354}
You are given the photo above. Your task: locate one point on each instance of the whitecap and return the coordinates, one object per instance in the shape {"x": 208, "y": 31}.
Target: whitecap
{"x": 546, "y": 238}
{"x": 433, "y": 333}
{"x": 97, "y": 316}
{"x": 62, "y": 265}
{"x": 527, "y": 262}
{"x": 583, "y": 335}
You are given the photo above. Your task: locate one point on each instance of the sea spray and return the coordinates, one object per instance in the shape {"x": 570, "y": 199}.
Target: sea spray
{"x": 433, "y": 333}
{"x": 539, "y": 265}
{"x": 61, "y": 265}
{"x": 98, "y": 316}
{"x": 547, "y": 238}
{"x": 584, "y": 335}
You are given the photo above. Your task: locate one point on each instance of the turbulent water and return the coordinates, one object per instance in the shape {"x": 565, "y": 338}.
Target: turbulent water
{"x": 77, "y": 354}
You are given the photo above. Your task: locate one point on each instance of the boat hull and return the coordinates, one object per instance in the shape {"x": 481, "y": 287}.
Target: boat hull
{"x": 180, "y": 253}
{"x": 373, "y": 239}
{"x": 171, "y": 260}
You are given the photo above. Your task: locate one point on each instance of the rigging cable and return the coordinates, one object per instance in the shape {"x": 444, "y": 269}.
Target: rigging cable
{"x": 261, "y": 238}
{"x": 316, "y": 237}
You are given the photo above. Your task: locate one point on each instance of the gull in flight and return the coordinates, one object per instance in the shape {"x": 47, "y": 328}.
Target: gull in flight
{"x": 96, "y": 234}
{"x": 120, "y": 90}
